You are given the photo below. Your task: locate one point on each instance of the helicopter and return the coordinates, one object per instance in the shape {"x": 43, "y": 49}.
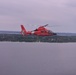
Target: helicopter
{"x": 40, "y": 31}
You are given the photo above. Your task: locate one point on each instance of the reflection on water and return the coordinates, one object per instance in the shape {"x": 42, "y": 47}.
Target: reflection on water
{"x": 37, "y": 58}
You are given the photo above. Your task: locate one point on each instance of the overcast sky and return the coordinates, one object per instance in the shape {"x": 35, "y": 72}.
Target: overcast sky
{"x": 30, "y": 13}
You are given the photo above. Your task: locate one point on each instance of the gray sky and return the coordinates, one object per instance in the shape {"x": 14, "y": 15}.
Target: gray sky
{"x": 30, "y": 13}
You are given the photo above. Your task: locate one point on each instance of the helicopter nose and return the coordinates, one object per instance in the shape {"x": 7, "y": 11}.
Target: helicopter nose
{"x": 54, "y": 34}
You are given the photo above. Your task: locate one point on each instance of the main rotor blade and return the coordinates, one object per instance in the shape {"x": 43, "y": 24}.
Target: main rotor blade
{"x": 45, "y": 25}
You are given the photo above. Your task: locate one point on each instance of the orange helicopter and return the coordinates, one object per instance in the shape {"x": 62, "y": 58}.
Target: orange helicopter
{"x": 40, "y": 31}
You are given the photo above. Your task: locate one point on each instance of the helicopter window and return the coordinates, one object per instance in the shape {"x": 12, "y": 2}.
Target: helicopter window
{"x": 49, "y": 31}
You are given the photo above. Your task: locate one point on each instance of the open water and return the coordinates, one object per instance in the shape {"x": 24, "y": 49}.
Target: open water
{"x": 37, "y": 58}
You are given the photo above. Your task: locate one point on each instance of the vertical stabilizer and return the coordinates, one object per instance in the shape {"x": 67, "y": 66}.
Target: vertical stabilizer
{"x": 23, "y": 30}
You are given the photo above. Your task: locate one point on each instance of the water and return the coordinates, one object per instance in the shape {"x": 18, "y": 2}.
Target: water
{"x": 37, "y": 58}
